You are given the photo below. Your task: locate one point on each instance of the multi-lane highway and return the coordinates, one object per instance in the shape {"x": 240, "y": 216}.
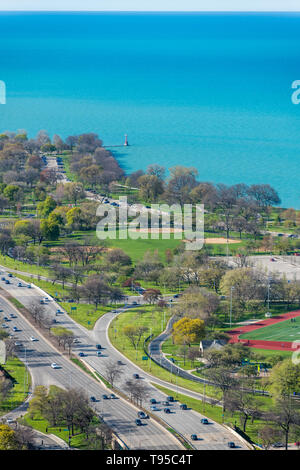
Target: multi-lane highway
{"x": 39, "y": 354}
{"x": 118, "y": 413}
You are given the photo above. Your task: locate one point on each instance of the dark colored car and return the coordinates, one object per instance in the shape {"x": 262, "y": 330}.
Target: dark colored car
{"x": 112, "y": 395}
{"x": 142, "y": 415}
{"x": 105, "y": 397}
{"x": 204, "y": 421}
{"x": 81, "y": 354}
{"x": 183, "y": 406}
{"x": 170, "y": 399}
{"x": 194, "y": 437}
{"x": 152, "y": 401}
{"x": 167, "y": 410}
{"x": 138, "y": 422}
{"x": 136, "y": 376}
{"x": 98, "y": 346}
{"x": 93, "y": 399}
{"x": 231, "y": 445}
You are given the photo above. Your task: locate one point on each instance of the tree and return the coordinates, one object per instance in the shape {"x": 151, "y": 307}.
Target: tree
{"x": 151, "y": 295}
{"x": 244, "y": 403}
{"x": 150, "y": 187}
{"x": 7, "y": 438}
{"x": 137, "y": 391}
{"x": 95, "y": 290}
{"x": 47, "y": 206}
{"x": 60, "y": 273}
{"x": 222, "y": 378}
{"x": 247, "y": 286}
{"x": 134, "y": 334}
{"x": 188, "y": 330}
{"x": 182, "y": 181}
{"x": 268, "y": 436}
{"x": 39, "y": 401}
{"x": 284, "y": 378}
{"x": 112, "y": 372}
{"x": 74, "y": 192}
{"x": 286, "y": 415}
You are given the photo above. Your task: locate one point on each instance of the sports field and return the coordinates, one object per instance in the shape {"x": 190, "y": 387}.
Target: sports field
{"x": 279, "y": 333}
{"x": 287, "y": 330}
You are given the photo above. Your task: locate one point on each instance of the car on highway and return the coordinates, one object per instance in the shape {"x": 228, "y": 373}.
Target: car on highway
{"x": 136, "y": 376}
{"x": 12, "y": 315}
{"x": 76, "y": 340}
{"x": 98, "y": 346}
{"x": 142, "y": 415}
{"x": 105, "y": 397}
{"x": 20, "y": 284}
{"x": 204, "y": 421}
{"x": 167, "y": 410}
{"x": 42, "y": 302}
{"x": 278, "y": 444}
{"x": 6, "y": 319}
{"x": 15, "y": 328}
{"x": 153, "y": 401}
{"x": 58, "y": 311}
{"x": 113, "y": 396}
{"x": 171, "y": 399}
{"x": 7, "y": 281}
{"x": 10, "y": 420}
{"x": 120, "y": 363}
{"x": 3, "y": 278}
{"x": 138, "y": 422}
{"x": 231, "y": 445}
{"x": 99, "y": 353}
{"x": 10, "y": 275}
{"x": 194, "y": 437}
{"x": 154, "y": 408}
{"x": 32, "y": 338}
{"x": 4, "y": 326}
{"x": 54, "y": 365}
{"x": 93, "y": 399}
{"x": 81, "y": 354}
{"x": 28, "y": 286}
{"x": 183, "y": 406}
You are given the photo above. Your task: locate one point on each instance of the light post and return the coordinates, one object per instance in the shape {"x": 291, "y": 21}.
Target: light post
{"x": 268, "y": 298}
{"x": 231, "y": 289}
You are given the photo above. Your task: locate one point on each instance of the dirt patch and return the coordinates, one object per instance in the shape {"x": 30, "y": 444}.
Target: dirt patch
{"x": 220, "y": 241}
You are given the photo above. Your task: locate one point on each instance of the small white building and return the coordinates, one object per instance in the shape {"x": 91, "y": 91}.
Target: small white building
{"x": 207, "y": 344}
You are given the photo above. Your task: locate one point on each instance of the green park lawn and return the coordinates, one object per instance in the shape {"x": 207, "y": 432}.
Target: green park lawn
{"x": 19, "y": 392}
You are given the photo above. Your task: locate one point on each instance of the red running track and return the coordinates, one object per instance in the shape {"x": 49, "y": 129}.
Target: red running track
{"x": 261, "y": 344}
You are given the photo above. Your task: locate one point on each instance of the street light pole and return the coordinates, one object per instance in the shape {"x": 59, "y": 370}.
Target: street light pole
{"x": 231, "y": 289}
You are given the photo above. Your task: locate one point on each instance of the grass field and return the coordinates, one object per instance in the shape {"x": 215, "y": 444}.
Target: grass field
{"x": 281, "y": 331}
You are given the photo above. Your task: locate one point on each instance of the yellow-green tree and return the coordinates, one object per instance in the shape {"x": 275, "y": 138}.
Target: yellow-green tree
{"x": 188, "y": 330}
{"x": 7, "y": 438}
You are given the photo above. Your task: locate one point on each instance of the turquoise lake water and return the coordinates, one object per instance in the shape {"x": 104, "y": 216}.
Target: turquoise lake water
{"x": 211, "y": 91}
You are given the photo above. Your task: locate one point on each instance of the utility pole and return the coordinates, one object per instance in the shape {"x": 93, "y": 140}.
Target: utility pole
{"x": 231, "y": 289}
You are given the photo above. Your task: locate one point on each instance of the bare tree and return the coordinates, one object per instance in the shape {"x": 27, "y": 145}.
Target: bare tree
{"x": 112, "y": 372}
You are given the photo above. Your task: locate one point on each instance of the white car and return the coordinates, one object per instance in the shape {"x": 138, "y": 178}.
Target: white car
{"x": 54, "y": 365}
{"x": 10, "y": 420}
{"x": 32, "y": 338}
